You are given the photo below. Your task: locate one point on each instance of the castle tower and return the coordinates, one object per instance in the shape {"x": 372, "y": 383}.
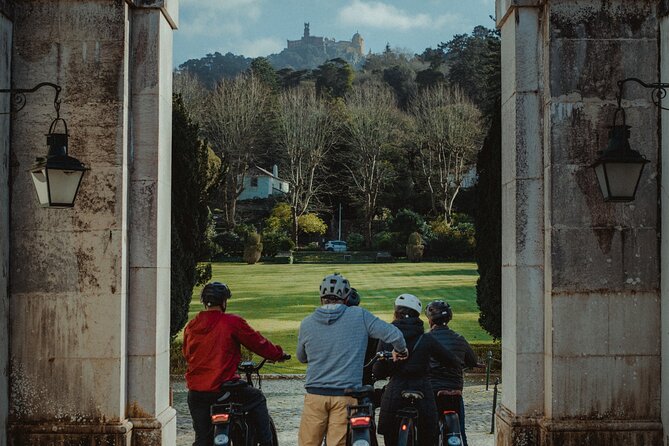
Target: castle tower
{"x": 359, "y": 43}
{"x": 306, "y": 30}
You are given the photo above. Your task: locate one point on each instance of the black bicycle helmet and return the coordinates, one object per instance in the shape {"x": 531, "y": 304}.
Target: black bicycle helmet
{"x": 353, "y": 298}
{"x": 215, "y": 293}
{"x": 439, "y": 312}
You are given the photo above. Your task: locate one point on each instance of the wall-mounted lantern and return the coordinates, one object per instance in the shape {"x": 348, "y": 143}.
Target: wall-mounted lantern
{"x": 57, "y": 176}
{"x": 619, "y": 167}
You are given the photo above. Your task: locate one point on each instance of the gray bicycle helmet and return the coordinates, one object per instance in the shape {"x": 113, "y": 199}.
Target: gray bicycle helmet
{"x": 335, "y": 286}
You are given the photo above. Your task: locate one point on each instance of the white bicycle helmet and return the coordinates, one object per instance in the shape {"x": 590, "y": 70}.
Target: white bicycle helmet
{"x": 409, "y": 301}
{"x": 335, "y": 285}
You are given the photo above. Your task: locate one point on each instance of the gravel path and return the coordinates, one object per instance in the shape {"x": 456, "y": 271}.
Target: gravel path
{"x": 285, "y": 397}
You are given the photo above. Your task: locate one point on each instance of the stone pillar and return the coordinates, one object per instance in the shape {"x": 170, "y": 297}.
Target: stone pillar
{"x": 5, "y": 67}
{"x": 522, "y": 231}
{"x": 89, "y": 296}
{"x": 664, "y": 206}
{"x": 601, "y": 307}
{"x": 153, "y": 419}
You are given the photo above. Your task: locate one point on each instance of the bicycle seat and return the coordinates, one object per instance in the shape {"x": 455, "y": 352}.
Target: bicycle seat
{"x": 359, "y": 391}
{"x": 415, "y": 394}
{"x": 233, "y": 385}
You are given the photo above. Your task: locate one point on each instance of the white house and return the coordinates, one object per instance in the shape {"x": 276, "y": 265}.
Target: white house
{"x": 260, "y": 183}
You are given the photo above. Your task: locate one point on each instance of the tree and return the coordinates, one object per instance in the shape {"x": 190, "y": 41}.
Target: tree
{"x": 312, "y": 224}
{"x": 194, "y": 171}
{"x": 488, "y": 224}
{"x": 449, "y": 131}
{"x": 192, "y": 92}
{"x": 306, "y": 133}
{"x": 211, "y": 68}
{"x": 262, "y": 70}
{"x": 238, "y": 124}
{"x": 474, "y": 66}
{"x": 373, "y": 132}
{"x": 334, "y": 79}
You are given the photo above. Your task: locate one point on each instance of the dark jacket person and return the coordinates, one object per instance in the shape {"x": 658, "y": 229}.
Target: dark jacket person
{"x": 412, "y": 374}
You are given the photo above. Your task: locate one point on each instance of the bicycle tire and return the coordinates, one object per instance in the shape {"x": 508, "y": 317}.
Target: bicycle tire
{"x": 406, "y": 436}
{"x": 360, "y": 437}
{"x": 446, "y": 433}
{"x": 272, "y": 426}
{"x": 237, "y": 435}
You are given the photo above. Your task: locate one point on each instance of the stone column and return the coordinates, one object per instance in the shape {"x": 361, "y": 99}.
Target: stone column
{"x": 601, "y": 344}
{"x": 5, "y": 69}
{"x": 523, "y": 224}
{"x": 664, "y": 206}
{"x": 89, "y": 286}
{"x": 151, "y": 30}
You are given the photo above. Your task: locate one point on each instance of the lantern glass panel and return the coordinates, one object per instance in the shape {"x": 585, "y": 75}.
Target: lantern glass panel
{"x": 623, "y": 179}
{"x": 41, "y": 185}
{"x": 600, "y": 170}
{"x": 63, "y": 185}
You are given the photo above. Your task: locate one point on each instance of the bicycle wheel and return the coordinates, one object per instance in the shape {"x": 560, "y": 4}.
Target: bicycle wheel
{"x": 449, "y": 430}
{"x": 238, "y": 435}
{"x": 406, "y": 434}
{"x": 360, "y": 437}
{"x": 275, "y": 438}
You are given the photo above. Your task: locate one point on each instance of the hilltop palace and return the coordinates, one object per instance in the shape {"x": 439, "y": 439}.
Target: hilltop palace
{"x": 355, "y": 46}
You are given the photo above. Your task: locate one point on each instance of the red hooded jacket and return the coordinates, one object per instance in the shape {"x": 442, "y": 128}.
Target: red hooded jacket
{"x": 212, "y": 348}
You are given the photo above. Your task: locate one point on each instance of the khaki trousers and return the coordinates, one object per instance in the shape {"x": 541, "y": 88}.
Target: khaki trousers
{"x": 321, "y": 415}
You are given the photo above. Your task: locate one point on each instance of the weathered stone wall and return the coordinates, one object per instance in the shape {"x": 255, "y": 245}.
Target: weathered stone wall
{"x": 150, "y": 220}
{"x": 664, "y": 206}
{"x": 68, "y": 312}
{"x": 5, "y": 64}
{"x": 599, "y": 356}
{"x": 89, "y": 288}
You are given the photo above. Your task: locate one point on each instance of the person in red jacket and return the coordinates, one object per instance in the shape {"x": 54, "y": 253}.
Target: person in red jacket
{"x": 212, "y": 349}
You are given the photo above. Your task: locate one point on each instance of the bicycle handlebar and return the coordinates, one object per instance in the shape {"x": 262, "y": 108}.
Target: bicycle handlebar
{"x": 251, "y": 367}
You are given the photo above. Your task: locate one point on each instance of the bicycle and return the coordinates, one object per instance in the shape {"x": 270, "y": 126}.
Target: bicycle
{"x": 408, "y": 433}
{"x": 448, "y": 405}
{"x": 229, "y": 418}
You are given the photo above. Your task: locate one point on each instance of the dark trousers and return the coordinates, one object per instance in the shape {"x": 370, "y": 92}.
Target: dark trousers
{"x": 199, "y": 404}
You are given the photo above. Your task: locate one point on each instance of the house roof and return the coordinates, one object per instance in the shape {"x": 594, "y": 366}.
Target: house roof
{"x": 267, "y": 173}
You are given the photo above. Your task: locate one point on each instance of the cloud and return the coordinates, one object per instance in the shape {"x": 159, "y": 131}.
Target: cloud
{"x": 376, "y": 14}
{"x": 260, "y": 47}
{"x": 217, "y": 18}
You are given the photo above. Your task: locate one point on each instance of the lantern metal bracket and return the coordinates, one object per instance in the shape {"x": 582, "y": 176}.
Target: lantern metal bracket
{"x": 659, "y": 92}
{"x": 19, "y": 97}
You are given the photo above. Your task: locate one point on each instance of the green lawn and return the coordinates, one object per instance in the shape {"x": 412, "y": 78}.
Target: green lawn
{"x": 275, "y": 298}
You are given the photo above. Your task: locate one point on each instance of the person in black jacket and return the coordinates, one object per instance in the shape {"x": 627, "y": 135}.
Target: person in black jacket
{"x": 412, "y": 374}
{"x": 446, "y": 380}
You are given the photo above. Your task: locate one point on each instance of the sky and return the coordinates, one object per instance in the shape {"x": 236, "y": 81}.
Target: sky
{"x": 261, "y": 27}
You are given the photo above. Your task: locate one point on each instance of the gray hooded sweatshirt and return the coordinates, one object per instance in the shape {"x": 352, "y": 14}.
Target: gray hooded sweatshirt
{"x": 333, "y": 340}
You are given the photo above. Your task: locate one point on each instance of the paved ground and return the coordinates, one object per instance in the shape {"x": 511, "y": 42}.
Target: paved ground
{"x": 285, "y": 398}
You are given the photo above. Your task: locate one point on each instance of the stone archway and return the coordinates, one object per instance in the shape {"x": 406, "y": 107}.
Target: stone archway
{"x": 89, "y": 288}
{"x": 581, "y": 298}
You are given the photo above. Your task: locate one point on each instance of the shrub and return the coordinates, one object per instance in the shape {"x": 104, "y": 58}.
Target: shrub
{"x": 407, "y": 221}
{"x": 451, "y": 242}
{"x": 414, "y": 247}
{"x": 253, "y": 248}
{"x": 384, "y": 241}
{"x": 355, "y": 241}
{"x": 274, "y": 242}
{"x": 202, "y": 273}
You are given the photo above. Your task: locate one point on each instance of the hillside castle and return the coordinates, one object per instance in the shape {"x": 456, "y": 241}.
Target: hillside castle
{"x": 355, "y": 47}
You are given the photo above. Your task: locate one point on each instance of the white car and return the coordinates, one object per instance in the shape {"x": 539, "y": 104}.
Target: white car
{"x": 336, "y": 246}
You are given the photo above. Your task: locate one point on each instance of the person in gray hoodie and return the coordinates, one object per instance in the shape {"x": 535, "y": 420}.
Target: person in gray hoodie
{"x": 332, "y": 342}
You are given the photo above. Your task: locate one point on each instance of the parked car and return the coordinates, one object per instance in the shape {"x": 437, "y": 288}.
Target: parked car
{"x": 336, "y": 246}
